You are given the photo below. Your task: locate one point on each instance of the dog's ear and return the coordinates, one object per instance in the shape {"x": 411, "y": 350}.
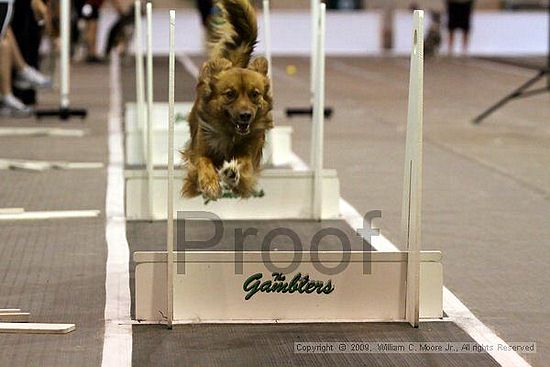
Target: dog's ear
{"x": 260, "y": 65}
{"x": 209, "y": 71}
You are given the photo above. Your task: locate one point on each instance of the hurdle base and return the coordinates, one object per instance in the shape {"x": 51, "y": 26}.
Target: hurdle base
{"x": 287, "y": 195}
{"x": 208, "y": 287}
{"x": 308, "y": 111}
{"x": 63, "y": 113}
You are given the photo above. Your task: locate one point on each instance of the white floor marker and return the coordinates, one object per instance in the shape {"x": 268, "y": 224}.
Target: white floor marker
{"x": 42, "y": 131}
{"x": 46, "y": 215}
{"x": 35, "y": 328}
{"x": 34, "y": 165}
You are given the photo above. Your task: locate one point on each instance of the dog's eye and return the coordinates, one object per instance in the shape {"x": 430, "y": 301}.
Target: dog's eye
{"x": 230, "y": 93}
{"x": 255, "y": 93}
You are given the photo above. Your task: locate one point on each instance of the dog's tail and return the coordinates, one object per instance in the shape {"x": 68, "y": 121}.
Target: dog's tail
{"x": 233, "y": 32}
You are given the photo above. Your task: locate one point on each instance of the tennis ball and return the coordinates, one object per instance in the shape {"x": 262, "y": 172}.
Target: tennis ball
{"x": 291, "y": 69}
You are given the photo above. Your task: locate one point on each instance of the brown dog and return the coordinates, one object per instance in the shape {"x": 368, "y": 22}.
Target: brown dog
{"x": 232, "y": 109}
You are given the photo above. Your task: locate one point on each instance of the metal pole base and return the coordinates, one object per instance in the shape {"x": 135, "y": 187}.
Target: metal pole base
{"x": 63, "y": 113}
{"x": 299, "y": 111}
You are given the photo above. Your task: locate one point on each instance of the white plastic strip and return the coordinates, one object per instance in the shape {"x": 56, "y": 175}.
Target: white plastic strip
{"x": 140, "y": 78}
{"x": 267, "y": 36}
{"x": 32, "y": 165}
{"x": 319, "y": 119}
{"x": 41, "y": 131}
{"x": 412, "y": 188}
{"x": 149, "y": 131}
{"x": 10, "y": 211}
{"x": 170, "y": 190}
{"x": 313, "y": 58}
{"x": 65, "y": 32}
{"x": 44, "y": 215}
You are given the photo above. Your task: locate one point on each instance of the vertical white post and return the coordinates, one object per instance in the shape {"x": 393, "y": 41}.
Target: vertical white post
{"x": 267, "y": 36}
{"x": 315, "y": 4}
{"x": 65, "y": 30}
{"x": 411, "y": 214}
{"x": 140, "y": 79}
{"x": 319, "y": 118}
{"x": 149, "y": 120}
{"x": 313, "y": 60}
{"x": 170, "y": 206}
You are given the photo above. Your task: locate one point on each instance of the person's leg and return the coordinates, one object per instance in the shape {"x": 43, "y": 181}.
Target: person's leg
{"x": 465, "y": 41}
{"x": 25, "y": 73}
{"x": 451, "y": 41}
{"x": 16, "y": 57}
{"x": 90, "y": 12}
{"x": 91, "y": 37}
{"x": 9, "y": 104}
{"x": 5, "y": 67}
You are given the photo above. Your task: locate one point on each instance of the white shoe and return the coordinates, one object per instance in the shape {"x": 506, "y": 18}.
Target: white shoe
{"x": 31, "y": 77}
{"x": 12, "y": 106}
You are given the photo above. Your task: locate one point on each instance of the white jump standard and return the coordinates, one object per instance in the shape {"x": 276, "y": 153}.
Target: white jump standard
{"x": 64, "y": 112}
{"x": 400, "y": 286}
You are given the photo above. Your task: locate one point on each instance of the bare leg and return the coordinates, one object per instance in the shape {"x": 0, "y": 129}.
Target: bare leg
{"x": 5, "y": 67}
{"x": 91, "y": 37}
{"x": 11, "y": 106}
{"x": 17, "y": 59}
{"x": 451, "y": 41}
{"x": 465, "y": 42}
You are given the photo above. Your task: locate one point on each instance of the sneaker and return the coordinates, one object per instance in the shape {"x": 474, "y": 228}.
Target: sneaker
{"x": 13, "y": 107}
{"x": 29, "y": 76}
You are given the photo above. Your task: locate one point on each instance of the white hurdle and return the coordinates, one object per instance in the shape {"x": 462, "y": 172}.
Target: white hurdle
{"x": 314, "y": 74}
{"x": 140, "y": 73}
{"x": 148, "y": 127}
{"x": 318, "y": 120}
{"x": 170, "y": 189}
{"x": 315, "y": 4}
{"x": 411, "y": 213}
{"x": 211, "y": 290}
{"x": 267, "y": 36}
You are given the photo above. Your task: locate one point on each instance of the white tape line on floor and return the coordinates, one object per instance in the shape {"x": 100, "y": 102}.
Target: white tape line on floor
{"x": 455, "y": 309}
{"x": 117, "y": 342}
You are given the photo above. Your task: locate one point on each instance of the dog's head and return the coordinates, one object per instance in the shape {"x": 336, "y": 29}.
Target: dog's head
{"x": 238, "y": 99}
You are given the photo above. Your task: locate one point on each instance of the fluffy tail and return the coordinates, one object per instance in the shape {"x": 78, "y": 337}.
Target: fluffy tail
{"x": 233, "y": 32}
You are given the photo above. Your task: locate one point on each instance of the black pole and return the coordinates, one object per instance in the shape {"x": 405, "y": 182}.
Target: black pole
{"x": 523, "y": 91}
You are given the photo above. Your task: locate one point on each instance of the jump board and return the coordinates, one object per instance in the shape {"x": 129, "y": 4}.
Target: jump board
{"x": 151, "y": 236}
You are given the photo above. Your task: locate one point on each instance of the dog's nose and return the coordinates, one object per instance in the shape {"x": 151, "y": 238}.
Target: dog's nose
{"x": 245, "y": 116}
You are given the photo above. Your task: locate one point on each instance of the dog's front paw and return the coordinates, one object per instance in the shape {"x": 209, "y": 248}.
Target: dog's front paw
{"x": 209, "y": 185}
{"x": 229, "y": 173}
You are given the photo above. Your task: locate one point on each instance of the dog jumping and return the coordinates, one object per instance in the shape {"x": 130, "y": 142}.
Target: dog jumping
{"x": 232, "y": 109}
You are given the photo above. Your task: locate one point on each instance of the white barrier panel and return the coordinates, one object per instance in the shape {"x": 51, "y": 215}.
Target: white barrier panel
{"x": 211, "y": 291}
{"x": 279, "y": 202}
{"x": 492, "y": 33}
{"x": 277, "y": 150}
{"x": 347, "y": 33}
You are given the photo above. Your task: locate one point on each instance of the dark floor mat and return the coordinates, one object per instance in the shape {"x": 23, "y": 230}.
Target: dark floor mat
{"x": 273, "y": 345}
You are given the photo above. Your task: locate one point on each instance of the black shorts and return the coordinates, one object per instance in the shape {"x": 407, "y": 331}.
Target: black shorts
{"x": 459, "y": 15}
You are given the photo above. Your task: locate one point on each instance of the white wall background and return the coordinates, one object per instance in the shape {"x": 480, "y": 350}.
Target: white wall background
{"x": 493, "y": 33}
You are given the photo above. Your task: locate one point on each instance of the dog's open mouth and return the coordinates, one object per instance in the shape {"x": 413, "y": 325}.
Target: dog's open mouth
{"x": 242, "y": 128}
